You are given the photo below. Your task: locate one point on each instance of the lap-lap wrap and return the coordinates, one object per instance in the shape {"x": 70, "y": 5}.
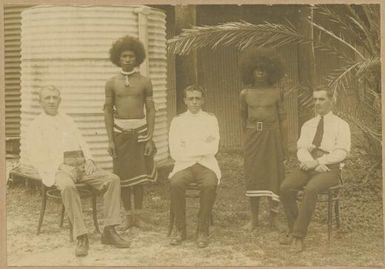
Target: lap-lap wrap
{"x": 131, "y": 165}
{"x": 263, "y": 155}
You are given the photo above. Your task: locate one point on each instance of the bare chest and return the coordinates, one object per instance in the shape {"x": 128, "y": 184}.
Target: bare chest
{"x": 262, "y": 98}
{"x": 133, "y": 87}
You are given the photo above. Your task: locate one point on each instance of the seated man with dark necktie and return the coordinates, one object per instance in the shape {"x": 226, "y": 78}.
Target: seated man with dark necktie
{"x": 323, "y": 144}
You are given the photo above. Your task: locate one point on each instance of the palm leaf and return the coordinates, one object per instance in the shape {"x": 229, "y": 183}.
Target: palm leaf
{"x": 368, "y": 65}
{"x": 341, "y": 78}
{"x": 239, "y": 34}
{"x": 338, "y": 38}
{"x": 361, "y": 123}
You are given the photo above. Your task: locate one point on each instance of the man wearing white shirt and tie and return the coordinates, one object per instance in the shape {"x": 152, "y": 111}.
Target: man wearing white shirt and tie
{"x": 193, "y": 141}
{"x": 62, "y": 158}
{"x": 324, "y": 143}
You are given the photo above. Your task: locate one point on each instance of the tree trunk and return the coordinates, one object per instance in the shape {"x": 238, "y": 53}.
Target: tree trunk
{"x": 306, "y": 61}
{"x": 186, "y": 66}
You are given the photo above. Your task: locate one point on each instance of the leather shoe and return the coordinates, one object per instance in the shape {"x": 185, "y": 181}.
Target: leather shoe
{"x": 110, "y": 237}
{"x": 297, "y": 245}
{"x": 176, "y": 238}
{"x": 203, "y": 241}
{"x": 286, "y": 239}
{"x": 82, "y": 246}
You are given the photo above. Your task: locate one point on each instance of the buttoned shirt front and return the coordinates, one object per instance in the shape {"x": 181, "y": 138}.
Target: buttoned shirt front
{"x": 336, "y": 140}
{"x": 48, "y": 137}
{"x": 194, "y": 138}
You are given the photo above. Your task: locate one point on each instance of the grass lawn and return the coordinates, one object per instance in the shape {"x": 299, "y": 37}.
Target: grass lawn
{"x": 360, "y": 241}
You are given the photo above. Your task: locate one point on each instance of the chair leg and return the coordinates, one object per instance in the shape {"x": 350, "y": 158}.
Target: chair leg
{"x": 95, "y": 213}
{"x": 42, "y": 209}
{"x": 71, "y": 230}
{"x": 337, "y": 212}
{"x": 62, "y": 216}
{"x": 172, "y": 220}
{"x": 330, "y": 215}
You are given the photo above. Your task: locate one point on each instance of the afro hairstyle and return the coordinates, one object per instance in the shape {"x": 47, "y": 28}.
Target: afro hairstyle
{"x": 127, "y": 43}
{"x": 266, "y": 60}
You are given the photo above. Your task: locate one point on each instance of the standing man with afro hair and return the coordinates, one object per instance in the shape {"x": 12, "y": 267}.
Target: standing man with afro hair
{"x": 129, "y": 128}
{"x": 264, "y": 127}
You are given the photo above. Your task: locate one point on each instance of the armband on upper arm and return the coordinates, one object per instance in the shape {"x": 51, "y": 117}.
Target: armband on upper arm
{"x": 108, "y": 107}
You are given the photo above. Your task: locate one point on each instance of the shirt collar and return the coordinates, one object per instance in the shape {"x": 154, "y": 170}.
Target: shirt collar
{"x": 49, "y": 118}
{"x": 189, "y": 114}
{"x": 326, "y": 116}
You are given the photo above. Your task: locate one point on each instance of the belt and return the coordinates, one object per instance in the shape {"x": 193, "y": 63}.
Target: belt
{"x": 261, "y": 125}
{"x": 317, "y": 153}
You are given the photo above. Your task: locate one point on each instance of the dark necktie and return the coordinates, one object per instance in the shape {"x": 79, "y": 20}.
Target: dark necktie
{"x": 319, "y": 133}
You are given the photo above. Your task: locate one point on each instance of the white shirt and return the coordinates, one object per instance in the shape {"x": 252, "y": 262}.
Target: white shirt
{"x": 48, "y": 137}
{"x": 194, "y": 138}
{"x": 336, "y": 139}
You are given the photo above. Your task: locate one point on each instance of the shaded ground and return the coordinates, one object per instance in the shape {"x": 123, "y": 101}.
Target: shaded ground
{"x": 358, "y": 243}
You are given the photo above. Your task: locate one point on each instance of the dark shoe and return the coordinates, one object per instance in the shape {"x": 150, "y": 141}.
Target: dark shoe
{"x": 203, "y": 241}
{"x": 176, "y": 238}
{"x": 286, "y": 239}
{"x": 297, "y": 245}
{"x": 82, "y": 246}
{"x": 110, "y": 237}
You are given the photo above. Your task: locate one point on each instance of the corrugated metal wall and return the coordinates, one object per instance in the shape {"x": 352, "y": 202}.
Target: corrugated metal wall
{"x": 219, "y": 75}
{"x": 68, "y": 47}
{"x": 12, "y": 29}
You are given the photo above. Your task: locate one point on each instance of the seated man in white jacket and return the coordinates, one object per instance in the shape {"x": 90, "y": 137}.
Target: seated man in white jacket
{"x": 62, "y": 158}
{"x": 193, "y": 141}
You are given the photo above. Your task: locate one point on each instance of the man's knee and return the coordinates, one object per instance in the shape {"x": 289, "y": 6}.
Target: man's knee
{"x": 310, "y": 191}
{"x": 67, "y": 187}
{"x": 210, "y": 183}
{"x": 285, "y": 187}
{"x": 114, "y": 179}
{"x": 177, "y": 183}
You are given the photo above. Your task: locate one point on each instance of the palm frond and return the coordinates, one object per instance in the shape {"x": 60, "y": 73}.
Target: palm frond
{"x": 362, "y": 124}
{"x": 368, "y": 65}
{"x": 239, "y": 34}
{"x": 341, "y": 78}
{"x": 338, "y": 38}
{"x": 332, "y": 50}
{"x": 356, "y": 23}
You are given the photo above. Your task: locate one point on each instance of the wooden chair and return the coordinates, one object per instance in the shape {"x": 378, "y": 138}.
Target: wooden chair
{"x": 193, "y": 192}
{"x": 332, "y": 197}
{"x": 28, "y": 173}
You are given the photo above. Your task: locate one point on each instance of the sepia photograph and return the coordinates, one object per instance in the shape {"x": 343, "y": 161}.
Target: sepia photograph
{"x": 192, "y": 135}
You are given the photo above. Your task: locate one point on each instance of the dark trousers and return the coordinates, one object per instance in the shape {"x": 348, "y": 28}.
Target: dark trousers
{"x": 207, "y": 182}
{"x": 314, "y": 182}
{"x": 137, "y": 192}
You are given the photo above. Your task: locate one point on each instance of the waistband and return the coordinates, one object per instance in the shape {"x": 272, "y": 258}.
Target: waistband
{"x": 261, "y": 125}
{"x": 129, "y": 124}
{"x": 317, "y": 153}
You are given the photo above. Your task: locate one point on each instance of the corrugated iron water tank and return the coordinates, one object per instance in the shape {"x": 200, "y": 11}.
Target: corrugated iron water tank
{"x": 12, "y": 29}
{"x": 68, "y": 46}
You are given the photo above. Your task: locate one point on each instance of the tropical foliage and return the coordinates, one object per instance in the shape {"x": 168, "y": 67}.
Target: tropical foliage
{"x": 352, "y": 34}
